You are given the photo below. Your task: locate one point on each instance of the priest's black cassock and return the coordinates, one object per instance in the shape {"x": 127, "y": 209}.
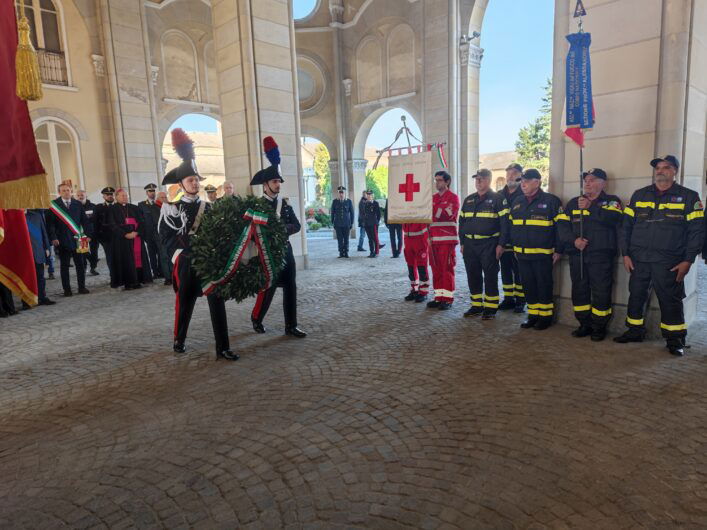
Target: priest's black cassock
{"x": 130, "y": 265}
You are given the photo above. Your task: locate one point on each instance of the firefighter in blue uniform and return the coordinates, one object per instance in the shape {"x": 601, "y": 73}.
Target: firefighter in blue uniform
{"x": 590, "y": 239}
{"x": 534, "y": 217}
{"x": 663, "y": 232}
{"x": 513, "y": 297}
{"x": 483, "y": 232}
{"x": 342, "y": 217}
{"x": 271, "y": 180}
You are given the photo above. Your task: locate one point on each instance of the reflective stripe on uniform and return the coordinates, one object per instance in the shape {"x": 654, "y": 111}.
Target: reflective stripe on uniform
{"x": 503, "y": 212}
{"x": 580, "y": 212}
{"x": 561, "y": 217}
{"x": 634, "y": 321}
{"x": 444, "y": 223}
{"x": 645, "y": 204}
{"x": 673, "y": 327}
{"x": 629, "y": 211}
{"x": 601, "y": 312}
{"x": 538, "y": 222}
{"x": 697, "y": 214}
{"x": 580, "y": 308}
{"x": 523, "y": 250}
{"x": 444, "y": 238}
{"x": 672, "y": 206}
{"x": 444, "y": 292}
{"x": 413, "y": 234}
{"x": 612, "y": 209}
{"x": 479, "y": 236}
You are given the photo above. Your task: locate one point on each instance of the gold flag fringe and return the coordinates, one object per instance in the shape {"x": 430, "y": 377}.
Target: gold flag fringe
{"x": 29, "y": 79}
{"x": 28, "y": 192}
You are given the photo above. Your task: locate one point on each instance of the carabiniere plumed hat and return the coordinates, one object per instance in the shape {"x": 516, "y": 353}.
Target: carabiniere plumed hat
{"x": 184, "y": 146}
{"x": 272, "y": 152}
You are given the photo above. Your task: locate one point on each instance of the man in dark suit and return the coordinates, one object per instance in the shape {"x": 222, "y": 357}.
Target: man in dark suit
{"x": 101, "y": 229}
{"x": 67, "y": 225}
{"x": 92, "y": 256}
{"x": 150, "y": 211}
{"x": 39, "y": 238}
{"x": 342, "y": 217}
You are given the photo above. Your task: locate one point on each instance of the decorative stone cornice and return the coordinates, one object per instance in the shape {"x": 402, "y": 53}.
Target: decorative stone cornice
{"x": 336, "y": 9}
{"x": 348, "y": 83}
{"x": 357, "y": 164}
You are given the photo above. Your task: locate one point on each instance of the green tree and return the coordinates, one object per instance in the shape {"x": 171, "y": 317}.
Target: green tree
{"x": 321, "y": 170}
{"x": 533, "y": 144}
{"x": 377, "y": 181}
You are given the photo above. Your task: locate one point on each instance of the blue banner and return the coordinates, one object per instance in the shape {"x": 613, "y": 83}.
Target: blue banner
{"x": 580, "y": 112}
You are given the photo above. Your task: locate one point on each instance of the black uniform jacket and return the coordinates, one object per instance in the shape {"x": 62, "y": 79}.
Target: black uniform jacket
{"x": 663, "y": 228}
{"x": 534, "y": 225}
{"x": 599, "y": 223}
{"x": 484, "y": 218}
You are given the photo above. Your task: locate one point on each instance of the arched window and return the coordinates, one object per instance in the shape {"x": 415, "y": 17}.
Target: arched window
{"x": 46, "y": 33}
{"x": 58, "y": 149}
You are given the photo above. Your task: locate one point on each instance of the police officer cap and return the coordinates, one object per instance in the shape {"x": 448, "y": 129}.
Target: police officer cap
{"x": 515, "y": 166}
{"x": 210, "y": 188}
{"x": 598, "y": 173}
{"x": 340, "y": 188}
{"x": 670, "y": 159}
{"x": 369, "y": 192}
{"x": 531, "y": 173}
{"x": 151, "y": 187}
{"x": 483, "y": 173}
{"x": 265, "y": 175}
{"x": 107, "y": 190}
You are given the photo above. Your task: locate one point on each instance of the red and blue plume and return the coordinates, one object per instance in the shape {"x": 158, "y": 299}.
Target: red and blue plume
{"x": 183, "y": 145}
{"x": 272, "y": 151}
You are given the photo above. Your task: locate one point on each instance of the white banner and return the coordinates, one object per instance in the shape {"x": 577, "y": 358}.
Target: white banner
{"x": 410, "y": 188}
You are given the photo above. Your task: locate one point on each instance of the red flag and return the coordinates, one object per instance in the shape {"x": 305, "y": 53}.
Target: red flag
{"x": 23, "y": 183}
{"x": 576, "y": 135}
{"x": 17, "y": 270}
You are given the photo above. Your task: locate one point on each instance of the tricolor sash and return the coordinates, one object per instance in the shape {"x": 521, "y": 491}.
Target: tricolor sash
{"x": 250, "y": 243}
{"x": 64, "y": 217}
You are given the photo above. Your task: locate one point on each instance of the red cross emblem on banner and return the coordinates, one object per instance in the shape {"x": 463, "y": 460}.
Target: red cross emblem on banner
{"x": 409, "y": 187}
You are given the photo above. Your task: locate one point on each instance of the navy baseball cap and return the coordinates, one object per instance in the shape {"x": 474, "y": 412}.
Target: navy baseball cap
{"x": 529, "y": 174}
{"x": 670, "y": 159}
{"x": 598, "y": 173}
{"x": 516, "y": 167}
{"x": 483, "y": 173}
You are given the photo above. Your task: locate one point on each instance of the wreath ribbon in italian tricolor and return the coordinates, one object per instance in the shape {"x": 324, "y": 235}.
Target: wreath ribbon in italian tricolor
{"x": 250, "y": 243}
{"x": 77, "y": 230}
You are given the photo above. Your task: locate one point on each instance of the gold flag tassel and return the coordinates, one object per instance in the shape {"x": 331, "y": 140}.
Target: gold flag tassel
{"x": 29, "y": 80}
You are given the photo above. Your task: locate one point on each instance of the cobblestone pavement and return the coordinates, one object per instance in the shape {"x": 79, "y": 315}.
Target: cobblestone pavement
{"x": 387, "y": 416}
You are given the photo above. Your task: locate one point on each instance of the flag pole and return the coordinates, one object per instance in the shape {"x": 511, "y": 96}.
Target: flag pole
{"x": 580, "y": 11}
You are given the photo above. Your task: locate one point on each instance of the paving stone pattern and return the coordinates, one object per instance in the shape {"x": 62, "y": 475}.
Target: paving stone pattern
{"x": 387, "y": 416}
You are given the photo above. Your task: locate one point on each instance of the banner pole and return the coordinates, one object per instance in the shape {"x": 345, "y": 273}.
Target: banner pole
{"x": 581, "y": 210}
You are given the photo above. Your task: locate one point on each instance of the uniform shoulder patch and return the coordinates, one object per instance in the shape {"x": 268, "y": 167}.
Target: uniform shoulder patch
{"x": 698, "y": 206}
{"x": 516, "y": 206}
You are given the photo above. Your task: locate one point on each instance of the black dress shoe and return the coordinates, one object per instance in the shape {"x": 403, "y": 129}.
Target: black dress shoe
{"x": 528, "y": 324}
{"x": 46, "y": 301}
{"x": 179, "y": 347}
{"x": 582, "y": 331}
{"x": 94, "y": 272}
{"x": 258, "y": 326}
{"x": 419, "y": 298}
{"x": 507, "y": 304}
{"x": 444, "y": 306}
{"x": 433, "y": 304}
{"x": 168, "y": 282}
{"x": 630, "y": 336}
{"x": 676, "y": 348}
{"x": 373, "y": 255}
{"x": 541, "y": 325}
{"x": 51, "y": 276}
{"x": 295, "y": 332}
{"x": 228, "y": 355}
{"x": 488, "y": 315}
{"x": 68, "y": 293}
{"x": 25, "y": 306}
{"x": 83, "y": 290}
{"x": 359, "y": 249}
{"x": 473, "y": 312}
{"x": 411, "y": 296}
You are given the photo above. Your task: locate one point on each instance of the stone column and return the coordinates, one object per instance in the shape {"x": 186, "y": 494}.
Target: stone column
{"x": 336, "y": 9}
{"x": 130, "y": 76}
{"x": 470, "y": 60}
{"x": 256, "y": 68}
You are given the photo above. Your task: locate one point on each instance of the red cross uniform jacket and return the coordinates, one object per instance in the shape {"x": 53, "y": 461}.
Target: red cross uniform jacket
{"x": 445, "y": 211}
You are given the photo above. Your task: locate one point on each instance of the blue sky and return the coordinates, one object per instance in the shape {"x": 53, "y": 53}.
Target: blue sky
{"x": 517, "y": 41}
